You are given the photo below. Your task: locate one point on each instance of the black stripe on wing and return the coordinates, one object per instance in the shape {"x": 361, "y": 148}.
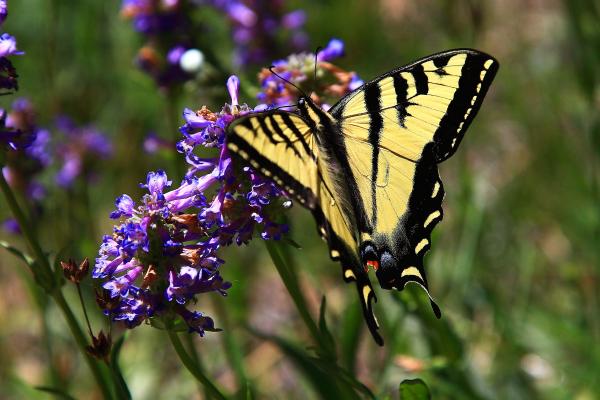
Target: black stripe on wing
{"x": 373, "y": 104}
{"x": 465, "y": 104}
{"x": 423, "y": 214}
{"x": 248, "y": 154}
{"x": 352, "y": 271}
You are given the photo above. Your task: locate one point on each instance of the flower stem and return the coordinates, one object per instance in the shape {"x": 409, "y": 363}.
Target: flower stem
{"x": 87, "y": 320}
{"x": 291, "y": 283}
{"x": 194, "y": 356}
{"x": 44, "y": 277}
{"x": 192, "y": 367}
{"x": 81, "y": 340}
{"x": 41, "y": 270}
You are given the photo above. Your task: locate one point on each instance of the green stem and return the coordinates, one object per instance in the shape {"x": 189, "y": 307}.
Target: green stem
{"x": 192, "y": 367}
{"x": 291, "y": 283}
{"x": 232, "y": 348}
{"x": 41, "y": 270}
{"x": 194, "y": 356}
{"x": 82, "y": 343}
{"x": 44, "y": 277}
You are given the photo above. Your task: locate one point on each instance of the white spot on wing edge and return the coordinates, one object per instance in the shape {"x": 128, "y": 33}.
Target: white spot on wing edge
{"x": 420, "y": 245}
{"x": 436, "y": 189}
{"x": 431, "y": 217}
{"x": 411, "y": 271}
{"x": 366, "y": 292}
{"x": 233, "y": 147}
{"x": 348, "y": 274}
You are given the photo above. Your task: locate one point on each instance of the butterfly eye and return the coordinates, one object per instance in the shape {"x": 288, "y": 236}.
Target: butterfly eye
{"x": 301, "y": 101}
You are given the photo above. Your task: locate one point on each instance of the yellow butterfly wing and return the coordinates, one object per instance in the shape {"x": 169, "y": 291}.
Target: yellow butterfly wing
{"x": 396, "y": 129}
{"x": 282, "y": 147}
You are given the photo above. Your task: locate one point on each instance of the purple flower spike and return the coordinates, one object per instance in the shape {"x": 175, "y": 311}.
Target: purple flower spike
{"x": 261, "y": 30}
{"x": 80, "y": 150}
{"x": 28, "y": 155}
{"x": 333, "y": 50}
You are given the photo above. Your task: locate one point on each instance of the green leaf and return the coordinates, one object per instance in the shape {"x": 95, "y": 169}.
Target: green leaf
{"x": 292, "y": 243}
{"x": 350, "y": 332}
{"x": 55, "y": 392}
{"x": 122, "y": 389}
{"x": 325, "y": 333}
{"x": 414, "y": 389}
{"x": 16, "y": 252}
{"x": 323, "y": 382}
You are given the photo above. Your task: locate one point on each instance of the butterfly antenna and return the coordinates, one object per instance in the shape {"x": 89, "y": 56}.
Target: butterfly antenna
{"x": 284, "y": 106}
{"x": 272, "y": 67}
{"x": 316, "y": 62}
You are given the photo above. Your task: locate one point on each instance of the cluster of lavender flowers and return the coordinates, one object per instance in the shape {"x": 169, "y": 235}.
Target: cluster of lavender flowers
{"x": 332, "y": 82}
{"x": 79, "y": 151}
{"x": 9, "y": 136}
{"x": 260, "y": 30}
{"x": 163, "y": 253}
{"x": 8, "y": 47}
{"x": 258, "y": 27}
{"x": 170, "y": 53}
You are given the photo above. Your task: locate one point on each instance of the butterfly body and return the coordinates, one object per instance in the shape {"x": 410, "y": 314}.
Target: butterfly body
{"x": 367, "y": 168}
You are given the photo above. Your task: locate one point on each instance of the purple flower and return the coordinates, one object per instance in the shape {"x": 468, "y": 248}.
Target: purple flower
{"x": 154, "y": 143}
{"x": 299, "y": 69}
{"x": 29, "y": 145}
{"x": 3, "y": 11}
{"x": 262, "y": 30}
{"x": 8, "y": 46}
{"x": 169, "y": 54}
{"x": 79, "y": 151}
{"x": 11, "y": 225}
{"x": 125, "y": 205}
{"x": 233, "y": 87}
{"x": 334, "y": 49}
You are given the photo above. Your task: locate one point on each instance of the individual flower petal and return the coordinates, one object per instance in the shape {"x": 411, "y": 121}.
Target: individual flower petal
{"x": 8, "y": 46}
{"x": 125, "y": 205}
{"x": 333, "y": 50}
{"x": 233, "y": 87}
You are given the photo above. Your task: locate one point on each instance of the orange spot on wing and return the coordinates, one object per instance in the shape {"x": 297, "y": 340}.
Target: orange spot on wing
{"x": 372, "y": 264}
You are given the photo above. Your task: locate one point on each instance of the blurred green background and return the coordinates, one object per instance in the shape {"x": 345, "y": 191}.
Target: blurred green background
{"x": 514, "y": 266}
